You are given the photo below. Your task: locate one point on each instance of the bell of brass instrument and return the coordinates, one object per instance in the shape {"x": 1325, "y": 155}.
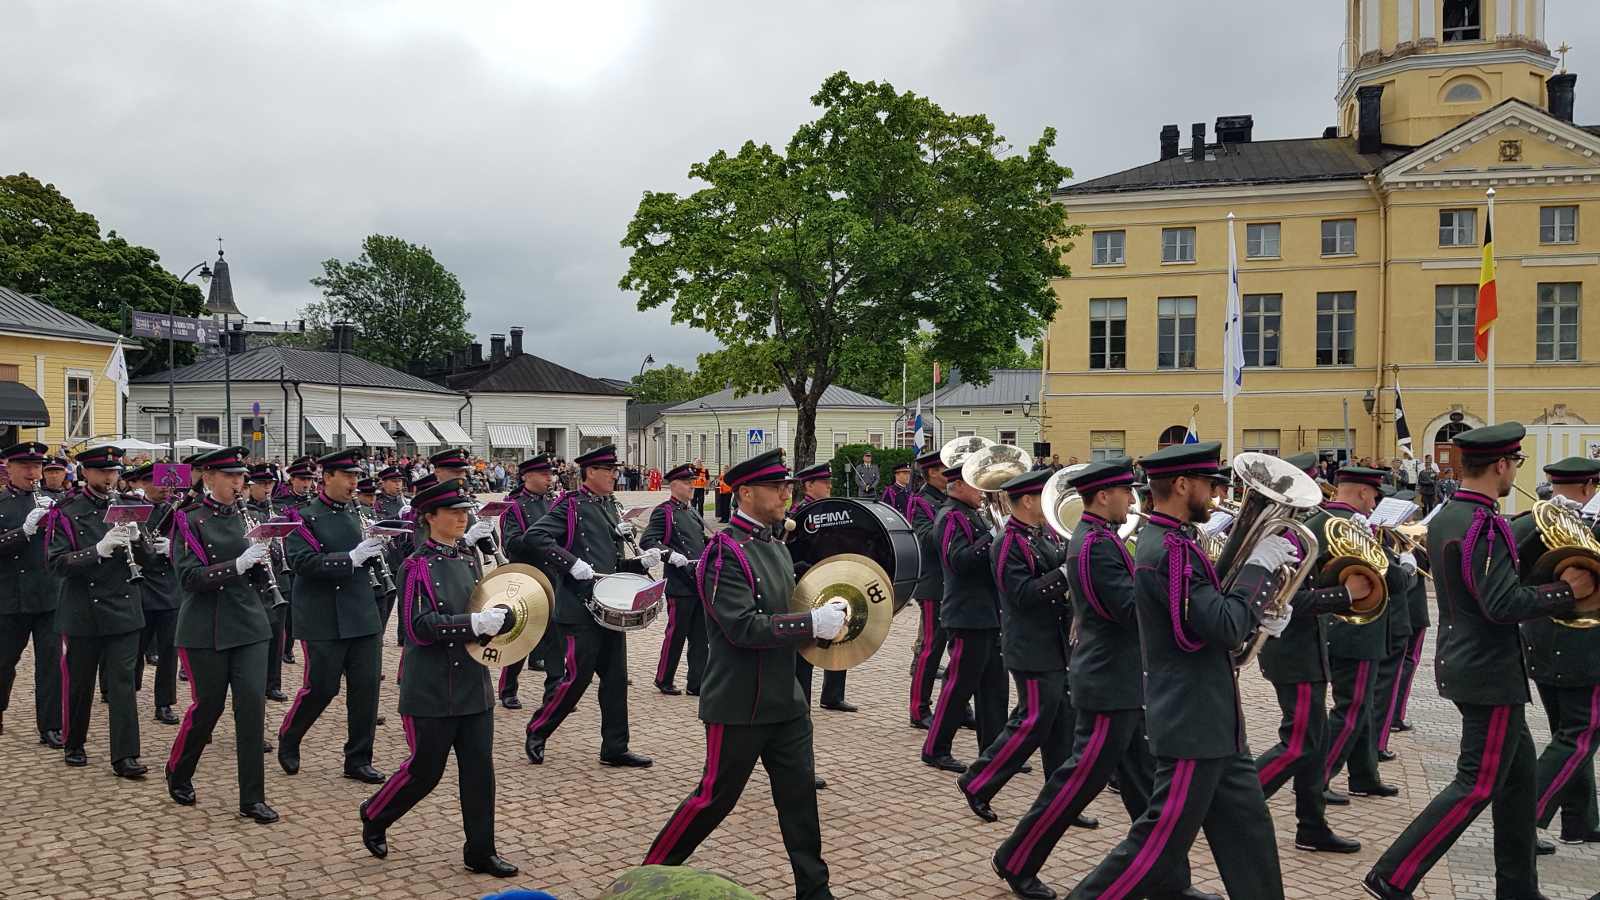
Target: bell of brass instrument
{"x": 250, "y": 523}
{"x": 1569, "y": 544}
{"x": 381, "y": 577}
{"x": 1351, "y": 547}
{"x": 1275, "y": 491}
{"x": 1063, "y": 507}
{"x": 1409, "y": 539}
{"x": 956, "y": 450}
{"x": 988, "y": 469}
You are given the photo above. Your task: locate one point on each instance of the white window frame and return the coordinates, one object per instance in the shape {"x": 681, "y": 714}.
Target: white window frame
{"x": 1107, "y": 312}
{"x": 966, "y": 432}
{"x": 1175, "y": 249}
{"x": 1552, "y": 233}
{"x": 66, "y": 401}
{"x": 1343, "y": 244}
{"x": 1105, "y": 450}
{"x": 1549, "y": 351}
{"x": 875, "y": 438}
{"x": 1263, "y": 240}
{"x": 1112, "y": 250}
{"x": 1263, "y": 440}
{"x": 219, "y": 428}
{"x": 840, "y": 438}
{"x": 1458, "y": 227}
{"x": 1008, "y": 436}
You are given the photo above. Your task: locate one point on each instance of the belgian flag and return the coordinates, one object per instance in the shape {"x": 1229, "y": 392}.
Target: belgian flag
{"x": 1488, "y": 303}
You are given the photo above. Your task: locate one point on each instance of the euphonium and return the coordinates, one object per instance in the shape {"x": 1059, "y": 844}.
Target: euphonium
{"x": 987, "y": 470}
{"x": 1063, "y": 507}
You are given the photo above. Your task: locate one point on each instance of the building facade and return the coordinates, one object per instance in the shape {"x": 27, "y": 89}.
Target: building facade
{"x": 52, "y": 376}
{"x": 755, "y": 424}
{"x": 1004, "y": 410}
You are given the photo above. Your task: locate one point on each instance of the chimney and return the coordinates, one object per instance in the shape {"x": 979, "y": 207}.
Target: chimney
{"x": 1235, "y": 129}
{"x": 458, "y": 360}
{"x": 236, "y": 339}
{"x": 1369, "y": 130}
{"x": 477, "y": 353}
{"x": 1169, "y": 142}
{"x": 1561, "y": 90}
{"x": 497, "y": 349}
{"x": 415, "y": 367}
{"x": 1332, "y": 131}
{"x": 1197, "y": 150}
{"x": 516, "y": 342}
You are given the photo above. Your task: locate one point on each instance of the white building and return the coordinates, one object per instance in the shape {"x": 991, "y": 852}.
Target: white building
{"x": 754, "y": 424}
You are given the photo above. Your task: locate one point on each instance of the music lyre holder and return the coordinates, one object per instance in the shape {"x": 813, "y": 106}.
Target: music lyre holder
{"x": 125, "y": 513}
{"x": 174, "y": 476}
{"x": 273, "y": 529}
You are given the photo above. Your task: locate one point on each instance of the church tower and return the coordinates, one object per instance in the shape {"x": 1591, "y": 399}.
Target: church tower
{"x": 1439, "y": 62}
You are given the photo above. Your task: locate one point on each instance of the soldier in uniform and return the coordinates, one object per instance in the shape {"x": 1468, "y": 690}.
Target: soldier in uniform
{"x": 224, "y": 636}
{"x": 680, "y": 533}
{"x": 747, "y": 578}
{"x": 1564, "y": 664}
{"x": 335, "y": 618}
{"x": 867, "y": 476}
{"x": 55, "y": 479}
{"x": 920, "y": 511}
{"x": 446, "y": 697}
{"x": 898, "y": 492}
{"x": 1402, "y": 630}
{"x": 531, "y": 500}
{"x": 28, "y": 590}
{"x": 1205, "y": 775}
{"x": 816, "y": 483}
{"x": 390, "y": 501}
{"x": 1479, "y": 666}
{"x": 259, "y": 484}
{"x": 298, "y": 491}
{"x": 161, "y": 596}
{"x": 582, "y": 537}
{"x": 100, "y": 611}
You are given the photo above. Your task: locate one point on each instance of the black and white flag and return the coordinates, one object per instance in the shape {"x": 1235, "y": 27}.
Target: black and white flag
{"x": 1402, "y": 428}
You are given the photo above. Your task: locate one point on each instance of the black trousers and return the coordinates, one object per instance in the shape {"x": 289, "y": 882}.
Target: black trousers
{"x": 832, "y": 682}
{"x": 358, "y": 662}
{"x": 976, "y": 673}
{"x": 1566, "y": 767}
{"x": 686, "y": 624}
{"x": 15, "y": 632}
{"x": 1301, "y": 754}
{"x": 160, "y": 629}
{"x": 1223, "y": 796}
{"x": 1408, "y": 674}
{"x": 114, "y": 655}
{"x": 784, "y": 750}
{"x": 590, "y": 650}
{"x": 931, "y": 643}
{"x": 212, "y": 675}
{"x": 1352, "y": 739}
{"x": 548, "y": 653}
{"x": 1043, "y": 720}
{"x": 1497, "y": 766}
{"x": 430, "y": 739}
{"x": 275, "y": 656}
{"x": 1386, "y": 689}
{"x": 288, "y": 634}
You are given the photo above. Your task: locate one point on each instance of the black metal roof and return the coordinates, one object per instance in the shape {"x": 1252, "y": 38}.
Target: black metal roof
{"x": 525, "y": 373}
{"x": 642, "y": 415}
{"x": 1255, "y": 162}
{"x": 21, "y": 313}
{"x": 304, "y": 366}
{"x": 220, "y": 298}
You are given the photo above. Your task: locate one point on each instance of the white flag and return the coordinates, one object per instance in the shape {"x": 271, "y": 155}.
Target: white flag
{"x": 1233, "y": 327}
{"x": 117, "y": 369}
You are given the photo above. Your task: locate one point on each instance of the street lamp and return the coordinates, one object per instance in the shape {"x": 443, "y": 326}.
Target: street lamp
{"x": 342, "y": 332}
{"x": 172, "y": 404}
{"x": 720, "y": 436}
{"x": 1369, "y": 401}
{"x": 649, "y": 360}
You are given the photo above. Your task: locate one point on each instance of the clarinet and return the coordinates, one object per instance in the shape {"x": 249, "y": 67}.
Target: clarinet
{"x": 136, "y": 571}
{"x": 250, "y": 523}
{"x": 386, "y": 581}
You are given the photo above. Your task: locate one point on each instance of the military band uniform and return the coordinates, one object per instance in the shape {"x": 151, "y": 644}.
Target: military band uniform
{"x": 921, "y": 511}
{"x": 276, "y": 616}
{"x": 833, "y": 680}
{"x": 675, "y": 528}
{"x": 526, "y": 509}
{"x": 1392, "y": 671}
{"x": 28, "y": 593}
{"x": 1417, "y": 608}
{"x": 162, "y": 597}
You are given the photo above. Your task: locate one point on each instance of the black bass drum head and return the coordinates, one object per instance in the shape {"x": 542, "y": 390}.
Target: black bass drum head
{"x": 836, "y": 525}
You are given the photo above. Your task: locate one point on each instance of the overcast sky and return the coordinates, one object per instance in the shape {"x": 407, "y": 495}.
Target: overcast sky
{"x": 515, "y": 138}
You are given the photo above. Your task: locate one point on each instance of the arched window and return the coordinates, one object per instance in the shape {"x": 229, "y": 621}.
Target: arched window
{"x": 1465, "y": 92}
{"x": 1449, "y": 431}
{"x": 1174, "y": 435}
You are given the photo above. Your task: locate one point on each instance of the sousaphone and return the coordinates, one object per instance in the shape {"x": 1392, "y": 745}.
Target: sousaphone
{"x": 865, "y": 586}
{"x": 526, "y": 592}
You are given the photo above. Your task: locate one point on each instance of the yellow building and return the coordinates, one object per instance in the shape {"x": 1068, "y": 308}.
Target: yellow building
{"x": 52, "y": 387}
{"x": 1359, "y": 255}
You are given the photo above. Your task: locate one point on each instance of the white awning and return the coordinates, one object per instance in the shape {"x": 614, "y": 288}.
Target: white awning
{"x": 327, "y": 427}
{"x": 606, "y": 431}
{"x": 372, "y": 432}
{"x": 510, "y": 437}
{"x": 420, "y": 432}
{"x": 451, "y": 432}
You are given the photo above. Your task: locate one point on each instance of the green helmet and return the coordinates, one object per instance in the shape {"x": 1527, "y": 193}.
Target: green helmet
{"x": 673, "y": 883}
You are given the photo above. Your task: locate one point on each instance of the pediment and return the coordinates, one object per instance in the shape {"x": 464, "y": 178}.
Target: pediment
{"x": 1512, "y": 143}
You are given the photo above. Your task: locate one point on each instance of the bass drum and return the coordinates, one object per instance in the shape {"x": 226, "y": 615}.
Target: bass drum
{"x": 837, "y": 525}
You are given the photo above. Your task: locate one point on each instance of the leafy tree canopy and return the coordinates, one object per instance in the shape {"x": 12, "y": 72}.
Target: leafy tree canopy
{"x": 671, "y": 384}
{"x": 405, "y": 305}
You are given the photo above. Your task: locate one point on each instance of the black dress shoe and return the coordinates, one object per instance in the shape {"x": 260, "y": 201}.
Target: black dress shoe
{"x": 493, "y": 865}
{"x": 945, "y": 763}
{"x": 1025, "y": 768}
{"x": 841, "y": 706}
{"x": 511, "y": 702}
{"x": 668, "y": 688}
{"x": 1381, "y": 889}
{"x": 1029, "y": 887}
{"x": 1189, "y": 893}
{"x": 372, "y": 837}
{"x": 164, "y": 715}
{"x": 1326, "y": 843}
{"x": 266, "y": 747}
{"x": 1334, "y": 798}
{"x": 821, "y": 785}
{"x": 1376, "y": 790}
{"x": 365, "y": 774}
{"x": 276, "y": 695}
{"x": 922, "y": 724}
{"x": 534, "y": 747}
{"x": 980, "y": 807}
{"x": 1387, "y": 756}
{"x": 289, "y": 658}
{"x": 182, "y": 792}
{"x": 51, "y": 739}
{"x": 626, "y": 760}
{"x": 693, "y": 692}
{"x": 1402, "y": 725}
{"x": 1579, "y": 836}
{"x": 536, "y": 665}
{"x": 77, "y": 758}
{"x": 289, "y": 758}
{"x": 381, "y": 720}
{"x": 129, "y": 767}
{"x": 941, "y": 673}
{"x": 260, "y": 813}
{"x": 1083, "y": 821}
{"x": 1542, "y": 847}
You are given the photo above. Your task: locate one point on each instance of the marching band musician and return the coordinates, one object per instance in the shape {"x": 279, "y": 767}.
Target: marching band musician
{"x": 300, "y": 489}
{"x": 581, "y": 537}
{"x": 1034, "y": 635}
{"x": 224, "y": 634}
{"x": 55, "y": 479}
{"x": 1417, "y": 607}
{"x": 746, "y": 579}
{"x": 1479, "y": 666}
{"x": 162, "y": 597}
{"x": 390, "y": 503}
{"x": 530, "y": 501}
{"x": 28, "y": 590}
{"x": 99, "y": 613}
{"x": 259, "y": 484}
{"x": 921, "y": 510}
{"x": 898, "y": 491}
{"x": 1386, "y": 684}
{"x": 1564, "y": 664}
{"x": 335, "y": 618}
{"x": 1205, "y": 776}
{"x": 446, "y": 697}
{"x": 816, "y": 483}
{"x": 680, "y": 533}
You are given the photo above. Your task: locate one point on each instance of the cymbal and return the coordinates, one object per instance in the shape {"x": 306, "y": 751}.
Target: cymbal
{"x": 527, "y": 593}
{"x": 863, "y": 584}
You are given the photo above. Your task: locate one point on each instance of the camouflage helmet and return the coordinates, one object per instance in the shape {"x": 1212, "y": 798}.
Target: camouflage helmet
{"x": 673, "y": 883}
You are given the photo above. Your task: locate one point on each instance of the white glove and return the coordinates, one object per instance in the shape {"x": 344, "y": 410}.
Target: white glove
{"x": 625, "y": 529}
{"x": 140, "y": 494}
{"x": 650, "y": 558}
{"x": 30, "y": 525}
{"x": 488, "y": 621}
{"x": 1361, "y": 520}
{"x": 1276, "y": 626}
{"x": 1408, "y": 561}
{"x": 116, "y": 537}
{"x": 253, "y": 555}
{"x": 162, "y": 546}
{"x": 1566, "y": 502}
{"x": 479, "y": 531}
{"x": 678, "y": 559}
{"x": 1272, "y": 552}
{"x": 582, "y": 571}
{"x": 371, "y": 548}
{"x": 827, "y": 620}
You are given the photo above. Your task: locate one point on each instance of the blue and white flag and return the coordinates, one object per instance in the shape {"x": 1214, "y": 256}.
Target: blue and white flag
{"x": 1193, "y": 437}
{"x": 1233, "y": 327}
{"x": 917, "y": 434}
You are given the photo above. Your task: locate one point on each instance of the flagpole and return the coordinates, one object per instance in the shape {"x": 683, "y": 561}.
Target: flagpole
{"x": 1491, "y": 327}
{"x": 1232, "y": 344}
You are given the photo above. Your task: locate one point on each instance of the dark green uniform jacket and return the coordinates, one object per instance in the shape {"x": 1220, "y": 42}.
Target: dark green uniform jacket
{"x": 1370, "y": 641}
{"x": 332, "y": 597}
{"x": 26, "y": 584}
{"x": 1478, "y": 657}
{"x": 1557, "y": 654}
{"x": 1300, "y": 654}
{"x": 971, "y": 598}
{"x": 1033, "y": 599}
{"x": 440, "y": 677}
{"x": 96, "y": 599}
{"x": 746, "y": 578}
{"x": 160, "y": 586}
{"x": 581, "y": 525}
{"x": 674, "y": 526}
{"x": 222, "y": 609}
{"x": 1418, "y": 604}
{"x": 1107, "y": 661}
{"x": 389, "y": 507}
{"x": 1189, "y": 630}
{"x": 922, "y": 512}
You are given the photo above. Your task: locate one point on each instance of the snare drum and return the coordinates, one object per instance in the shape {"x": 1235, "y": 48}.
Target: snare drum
{"x": 833, "y": 525}
{"x": 626, "y": 601}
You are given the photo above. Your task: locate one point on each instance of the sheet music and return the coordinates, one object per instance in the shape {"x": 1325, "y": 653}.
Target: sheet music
{"x": 1591, "y": 509}
{"x": 1218, "y": 521}
{"x": 1434, "y": 512}
{"x": 1391, "y": 512}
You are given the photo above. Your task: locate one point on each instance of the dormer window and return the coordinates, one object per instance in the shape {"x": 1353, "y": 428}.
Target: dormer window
{"x": 1463, "y": 20}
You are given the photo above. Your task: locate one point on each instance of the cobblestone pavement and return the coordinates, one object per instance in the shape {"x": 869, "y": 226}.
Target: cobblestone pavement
{"x": 892, "y": 827}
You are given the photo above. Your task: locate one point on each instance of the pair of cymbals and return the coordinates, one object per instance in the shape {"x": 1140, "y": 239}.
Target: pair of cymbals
{"x": 525, "y": 591}
{"x": 865, "y": 586}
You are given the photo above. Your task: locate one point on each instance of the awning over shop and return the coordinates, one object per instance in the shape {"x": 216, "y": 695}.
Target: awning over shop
{"x": 605, "y": 431}
{"x": 510, "y": 436}
{"x": 451, "y": 432}
{"x": 327, "y": 428}
{"x": 19, "y": 405}
{"x": 372, "y": 432}
{"x": 420, "y": 432}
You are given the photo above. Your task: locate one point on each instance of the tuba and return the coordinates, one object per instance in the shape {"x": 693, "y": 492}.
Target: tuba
{"x": 987, "y": 470}
{"x": 1570, "y": 544}
{"x": 956, "y": 450}
{"x": 1063, "y": 507}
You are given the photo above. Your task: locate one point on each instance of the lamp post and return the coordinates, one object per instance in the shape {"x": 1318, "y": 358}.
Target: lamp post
{"x": 172, "y": 404}
{"x": 341, "y": 338}
{"x": 1368, "y": 403}
{"x": 649, "y": 360}
{"x": 1027, "y": 413}
{"x": 719, "y": 435}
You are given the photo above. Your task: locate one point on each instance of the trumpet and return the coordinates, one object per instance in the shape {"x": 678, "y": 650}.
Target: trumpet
{"x": 250, "y": 523}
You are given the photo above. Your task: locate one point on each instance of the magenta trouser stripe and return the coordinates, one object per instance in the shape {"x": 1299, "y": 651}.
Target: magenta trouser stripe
{"x": 188, "y": 714}
{"x": 1166, "y": 823}
{"x": 1083, "y": 766}
{"x": 1416, "y": 660}
{"x": 1019, "y": 738}
{"x": 1394, "y": 704}
{"x": 66, "y": 686}
{"x": 1494, "y": 746}
{"x": 929, "y": 614}
{"x": 305, "y": 689}
{"x": 504, "y": 671}
{"x": 1350, "y": 714}
{"x": 1297, "y": 735}
{"x": 695, "y": 805}
{"x": 549, "y": 708}
{"x": 944, "y": 695}
{"x": 666, "y": 641}
{"x": 386, "y": 793}
{"x": 1579, "y": 757}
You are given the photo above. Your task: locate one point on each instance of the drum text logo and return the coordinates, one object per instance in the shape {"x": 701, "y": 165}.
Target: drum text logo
{"x": 817, "y": 521}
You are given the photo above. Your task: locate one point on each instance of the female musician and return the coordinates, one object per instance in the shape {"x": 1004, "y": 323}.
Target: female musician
{"x": 446, "y": 697}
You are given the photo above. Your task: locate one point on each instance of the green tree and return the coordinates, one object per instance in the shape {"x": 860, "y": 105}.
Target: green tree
{"x": 883, "y": 215}
{"x": 405, "y": 305}
{"x": 668, "y": 384}
{"x": 52, "y": 251}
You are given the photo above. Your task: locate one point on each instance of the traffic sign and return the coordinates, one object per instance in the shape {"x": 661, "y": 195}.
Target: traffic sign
{"x": 255, "y": 409}
{"x": 757, "y": 436}
{"x": 255, "y": 436}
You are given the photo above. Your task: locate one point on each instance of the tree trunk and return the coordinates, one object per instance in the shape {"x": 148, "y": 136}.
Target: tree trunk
{"x": 805, "y": 432}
